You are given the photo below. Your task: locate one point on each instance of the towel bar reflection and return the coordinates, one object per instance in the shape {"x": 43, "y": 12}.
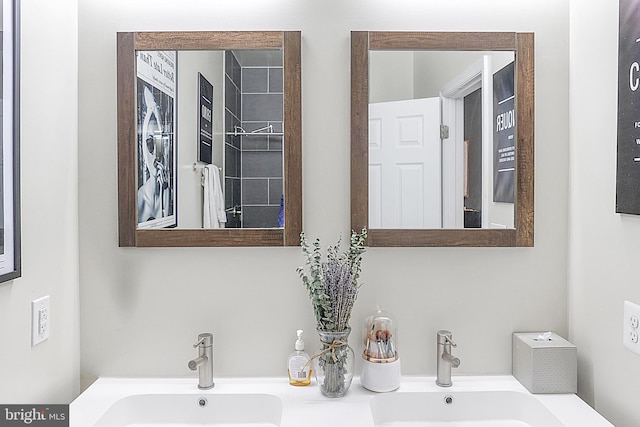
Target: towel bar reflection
{"x": 267, "y": 130}
{"x": 195, "y": 167}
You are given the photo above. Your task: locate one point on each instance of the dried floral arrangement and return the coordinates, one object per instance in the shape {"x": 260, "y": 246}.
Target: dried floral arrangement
{"x": 333, "y": 283}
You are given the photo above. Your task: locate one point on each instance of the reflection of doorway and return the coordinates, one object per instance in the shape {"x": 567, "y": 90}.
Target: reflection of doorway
{"x": 473, "y": 161}
{"x": 404, "y": 164}
{"x": 476, "y": 82}
{"x": 417, "y": 180}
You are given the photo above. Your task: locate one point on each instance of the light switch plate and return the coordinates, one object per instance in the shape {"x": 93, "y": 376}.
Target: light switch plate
{"x": 40, "y": 320}
{"x": 630, "y": 326}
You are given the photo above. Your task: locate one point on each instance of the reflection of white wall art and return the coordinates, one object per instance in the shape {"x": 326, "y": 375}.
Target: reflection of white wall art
{"x": 156, "y": 89}
{"x": 628, "y": 167}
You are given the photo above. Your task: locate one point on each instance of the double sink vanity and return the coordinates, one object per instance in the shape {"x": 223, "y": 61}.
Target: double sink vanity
{"x": 478, "y": 401}
{"x": 465, "y": 401}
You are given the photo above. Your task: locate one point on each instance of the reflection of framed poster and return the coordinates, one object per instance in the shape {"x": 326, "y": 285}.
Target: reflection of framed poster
{"x": 156, "y": 110}
{"x": 10, "y": 267}
{"x": 628, "y": 166}
{"x": 205, "y": 119}
{"x": 504, "y": 148}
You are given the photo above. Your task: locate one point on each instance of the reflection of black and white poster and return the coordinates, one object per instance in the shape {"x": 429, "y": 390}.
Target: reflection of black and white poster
{"x": 156, "y": 111}
{"x": 628, "y": 171}
{"x": 205, "y": 117}
{"x": 504, "y": 149}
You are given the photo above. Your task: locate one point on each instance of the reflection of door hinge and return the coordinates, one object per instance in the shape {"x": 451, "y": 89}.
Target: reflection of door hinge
{"x": 444, "y": 131}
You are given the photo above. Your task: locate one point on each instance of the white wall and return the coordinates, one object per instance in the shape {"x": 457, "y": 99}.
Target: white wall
{"x": 604, "y": 245}
{"x": 49, "y": 372}
{"x": 390, "y": 76}
{"x": 143, "y": 308}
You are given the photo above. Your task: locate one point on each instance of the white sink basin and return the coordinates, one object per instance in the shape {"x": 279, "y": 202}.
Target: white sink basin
{"x": 185, "y": 410}
{"x": 478, "y": 401}
{"x": 461, "y": 409}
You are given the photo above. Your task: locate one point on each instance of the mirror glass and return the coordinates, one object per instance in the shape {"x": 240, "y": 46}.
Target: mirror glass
{"x": 441, "y": 139}
{"x": 209, "y": 143}
{"x": 442, "y": 144}
{"x": 210, "y": 139}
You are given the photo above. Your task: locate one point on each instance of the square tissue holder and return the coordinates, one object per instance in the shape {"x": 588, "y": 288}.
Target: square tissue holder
{"x": 545, "y": 362}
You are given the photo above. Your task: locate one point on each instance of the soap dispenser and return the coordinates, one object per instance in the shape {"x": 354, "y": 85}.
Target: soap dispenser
{"x": 381, "y": 364}
{"x": 299, "y": 365}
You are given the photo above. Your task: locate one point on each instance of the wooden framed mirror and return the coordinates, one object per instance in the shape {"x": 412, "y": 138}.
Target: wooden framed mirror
{"x": 10, "y": 228}
{"x": 371, "y": 197}
{"x": 152, "y": 136}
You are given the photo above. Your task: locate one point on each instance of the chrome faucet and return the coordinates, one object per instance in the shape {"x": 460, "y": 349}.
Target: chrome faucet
{"x": 204, "y": 362}
{"x": 445, "y": 359}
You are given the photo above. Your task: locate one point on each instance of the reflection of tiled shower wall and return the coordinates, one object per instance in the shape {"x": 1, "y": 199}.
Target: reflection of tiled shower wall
{"x": 262, "y": 161}
{"x": 233, "y": 158}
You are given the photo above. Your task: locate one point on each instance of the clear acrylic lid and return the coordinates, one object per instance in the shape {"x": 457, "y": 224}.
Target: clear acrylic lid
{"x": 380, "y": 338}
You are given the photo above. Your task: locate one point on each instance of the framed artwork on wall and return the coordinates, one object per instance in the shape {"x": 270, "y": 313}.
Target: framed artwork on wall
{"x": 628, "y": 157}
{"x": 10, "y": 261}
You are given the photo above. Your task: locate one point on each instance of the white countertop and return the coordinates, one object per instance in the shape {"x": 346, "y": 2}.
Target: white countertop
{"x": 307, "y": 406}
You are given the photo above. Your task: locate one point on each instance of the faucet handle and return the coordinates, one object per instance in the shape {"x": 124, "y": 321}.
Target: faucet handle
{"x": 205, "y": 340}
{"x": 444, "y": 337}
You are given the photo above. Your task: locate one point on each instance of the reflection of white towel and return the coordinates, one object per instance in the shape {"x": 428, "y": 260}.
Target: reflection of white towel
{"x": 213, "y": 215}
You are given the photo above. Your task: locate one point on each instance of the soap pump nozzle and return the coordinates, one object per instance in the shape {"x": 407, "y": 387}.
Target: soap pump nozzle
{"x": 299, "y": 341}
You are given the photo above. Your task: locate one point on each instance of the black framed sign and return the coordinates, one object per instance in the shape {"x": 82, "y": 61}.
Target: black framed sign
{"x": 504, "y": 144}
{"x": 205, "y": 119}
{"x": 10, "y": 261}
{"x": 628, "y": 158}
{"x": 156, "y": 107}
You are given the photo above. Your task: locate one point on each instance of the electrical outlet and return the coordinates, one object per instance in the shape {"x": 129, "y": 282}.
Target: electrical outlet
{"x": 630, "y": 326}
{"x": 40, "y": 320}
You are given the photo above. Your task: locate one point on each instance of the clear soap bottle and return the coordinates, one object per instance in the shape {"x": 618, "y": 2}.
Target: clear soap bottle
{"x": 299, "y": 366}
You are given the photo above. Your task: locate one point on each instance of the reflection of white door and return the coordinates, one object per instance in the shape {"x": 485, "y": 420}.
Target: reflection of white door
{"x": 404, "y": 164}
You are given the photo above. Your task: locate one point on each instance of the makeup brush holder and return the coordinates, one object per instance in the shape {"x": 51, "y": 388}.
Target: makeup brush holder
{"x": 380, "y": 377}
{"x": 381, "y": 364}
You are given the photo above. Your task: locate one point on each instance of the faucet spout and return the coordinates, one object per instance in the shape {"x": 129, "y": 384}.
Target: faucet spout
{"x": 204, "y": 362}
{"x": 199, "y": 361}
{"x": 454, "y": 361}
{"x": 445, "y": 360}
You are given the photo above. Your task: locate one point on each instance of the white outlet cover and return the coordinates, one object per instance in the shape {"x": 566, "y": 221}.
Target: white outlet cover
{"x": 630, "y": 327}
{"x": 40, "y": 320}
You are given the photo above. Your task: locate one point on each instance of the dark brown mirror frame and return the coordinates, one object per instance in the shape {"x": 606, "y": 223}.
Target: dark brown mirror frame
{"x": 522, "y": 44}
{"x": 127, "y": 44}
